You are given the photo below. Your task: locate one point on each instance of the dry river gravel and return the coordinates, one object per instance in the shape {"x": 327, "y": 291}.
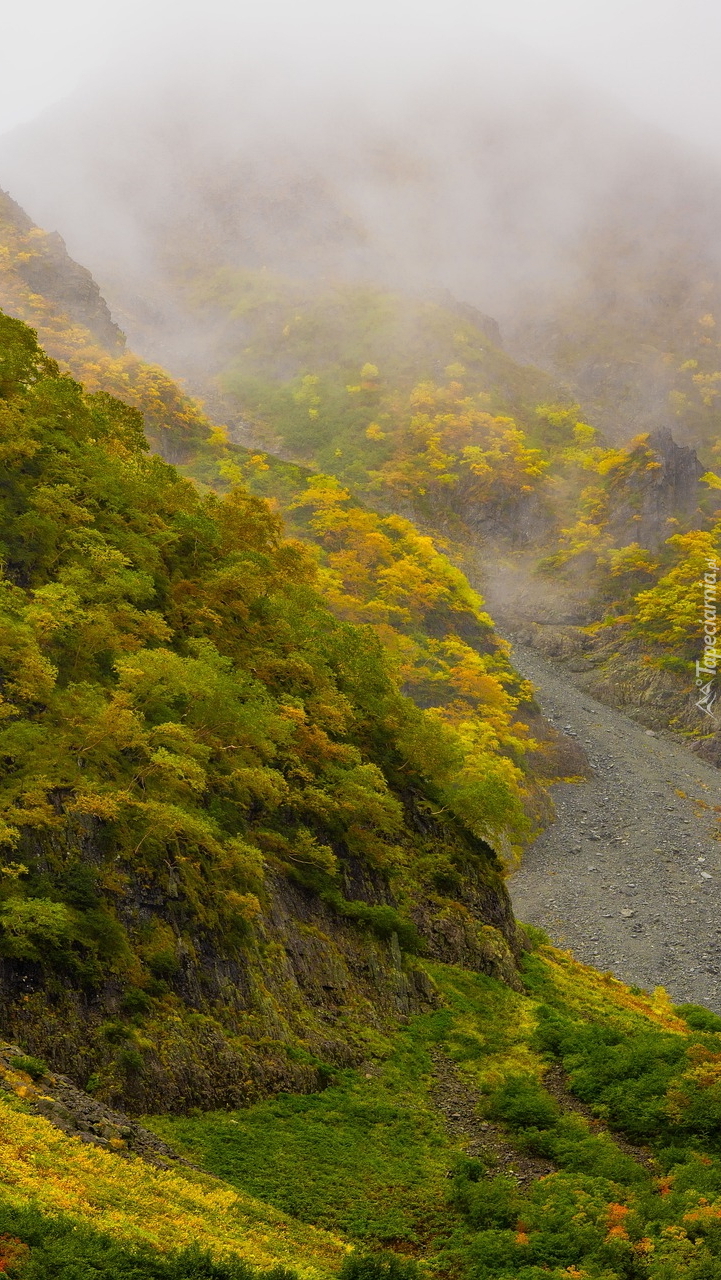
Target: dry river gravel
{"x": 629, "y": 875}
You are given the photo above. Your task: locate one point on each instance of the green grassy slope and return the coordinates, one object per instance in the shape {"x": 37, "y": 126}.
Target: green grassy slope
{"x": 369, "y": 1158}
{"x": 582, "y": 1139}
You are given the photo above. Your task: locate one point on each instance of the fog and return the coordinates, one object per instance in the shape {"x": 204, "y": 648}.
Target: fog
{"x": 539, "y": 161}
{"x": 657, "y": 57}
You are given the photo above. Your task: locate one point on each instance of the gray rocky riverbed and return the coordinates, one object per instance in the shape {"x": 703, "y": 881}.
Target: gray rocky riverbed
{"x": 629, "y": 875}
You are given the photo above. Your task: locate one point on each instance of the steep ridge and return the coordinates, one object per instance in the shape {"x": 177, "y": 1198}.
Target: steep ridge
{"x": 50, "y": 273}
{"x": 227, "y": 832}
{"x": 46, "y": 288}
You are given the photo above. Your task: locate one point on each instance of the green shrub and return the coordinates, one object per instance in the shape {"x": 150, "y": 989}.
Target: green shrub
{"x": 115, "y": 1032}
{"x": 494, "y": 1253}
{"x": 35, "y": 928}
{"x": 136, "y": 1001}
{"x": 572, "y": 1146}
{"x": 379, "y": 1266}
{"x": 383, "y": 920}
{"x": 554, "y": 1034}
{"x": 78, "y": 885}
{"x": 693, "y": 1172}
{"x": 523, "y": 1103}
{"x": 536, "y": 936}
{"x": 164, "y": 964}
{"x": 698, "y": 1018}
{"x": 623, "y": 1074}
{"x": 130, "y": 1061}
{"x": 485, "y": 1202}
{"x": 34, "y": 1067}
{"x": 99, "y": 931}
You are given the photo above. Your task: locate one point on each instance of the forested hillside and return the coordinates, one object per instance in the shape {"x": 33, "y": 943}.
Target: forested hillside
{"x": 416, "y": 409}
{"x": 195, "y": 747}
{"x": 563, "y": 525}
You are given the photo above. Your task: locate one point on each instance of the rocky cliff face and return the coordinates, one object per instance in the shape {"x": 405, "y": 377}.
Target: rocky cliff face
{"x": 312, "y": 990}
{"x": 643, "y": 506}
{"x": 48, "y": 270}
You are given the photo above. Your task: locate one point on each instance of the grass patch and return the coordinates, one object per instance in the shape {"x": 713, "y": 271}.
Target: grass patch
{"x": 37, "y": 1246}
{"x": 368, "y": 1157}
{"x": 135, "y": 1204}
{"x": 36, "y": 1068}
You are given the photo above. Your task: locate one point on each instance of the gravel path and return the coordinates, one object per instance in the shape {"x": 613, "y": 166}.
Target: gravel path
{"x": 457, "y": 1100}
{"x": 629, "y": 876}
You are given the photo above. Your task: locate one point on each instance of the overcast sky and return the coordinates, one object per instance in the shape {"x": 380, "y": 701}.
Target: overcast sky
{"x": 661, "y": 57}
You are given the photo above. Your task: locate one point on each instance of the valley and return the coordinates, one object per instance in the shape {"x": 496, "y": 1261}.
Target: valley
{"x": 359, "y": 828}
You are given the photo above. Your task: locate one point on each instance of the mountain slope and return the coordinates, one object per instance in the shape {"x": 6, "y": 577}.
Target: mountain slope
{"x": 218, "y": 809}
{"x": 414, "y": 581}
{"x": 143, "y": 1212}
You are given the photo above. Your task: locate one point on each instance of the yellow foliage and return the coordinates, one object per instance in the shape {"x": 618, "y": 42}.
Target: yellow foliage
{"x": 132, "y": 1201}
{"x": 445, "y": 439}
{"x": 597, "y": 994}
{"x": 374, "y": 432}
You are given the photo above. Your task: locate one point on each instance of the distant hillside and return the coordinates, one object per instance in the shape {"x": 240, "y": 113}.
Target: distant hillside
{"x": 590, "y": 237}
{"x": 42, "y": 285}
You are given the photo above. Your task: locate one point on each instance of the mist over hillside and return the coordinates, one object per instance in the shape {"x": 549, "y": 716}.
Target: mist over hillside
{"x": 590, "y": 236}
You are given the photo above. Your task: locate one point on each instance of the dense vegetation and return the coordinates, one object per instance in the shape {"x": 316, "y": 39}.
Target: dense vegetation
{"x": 487, "y": 452}
{"x": 184, "y": 719}
{"x": 75, "y": 1206}
{"x": 414, "y": 405}
{"x": 43, "y": 1247}
{"x": 634, "y": 1071}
